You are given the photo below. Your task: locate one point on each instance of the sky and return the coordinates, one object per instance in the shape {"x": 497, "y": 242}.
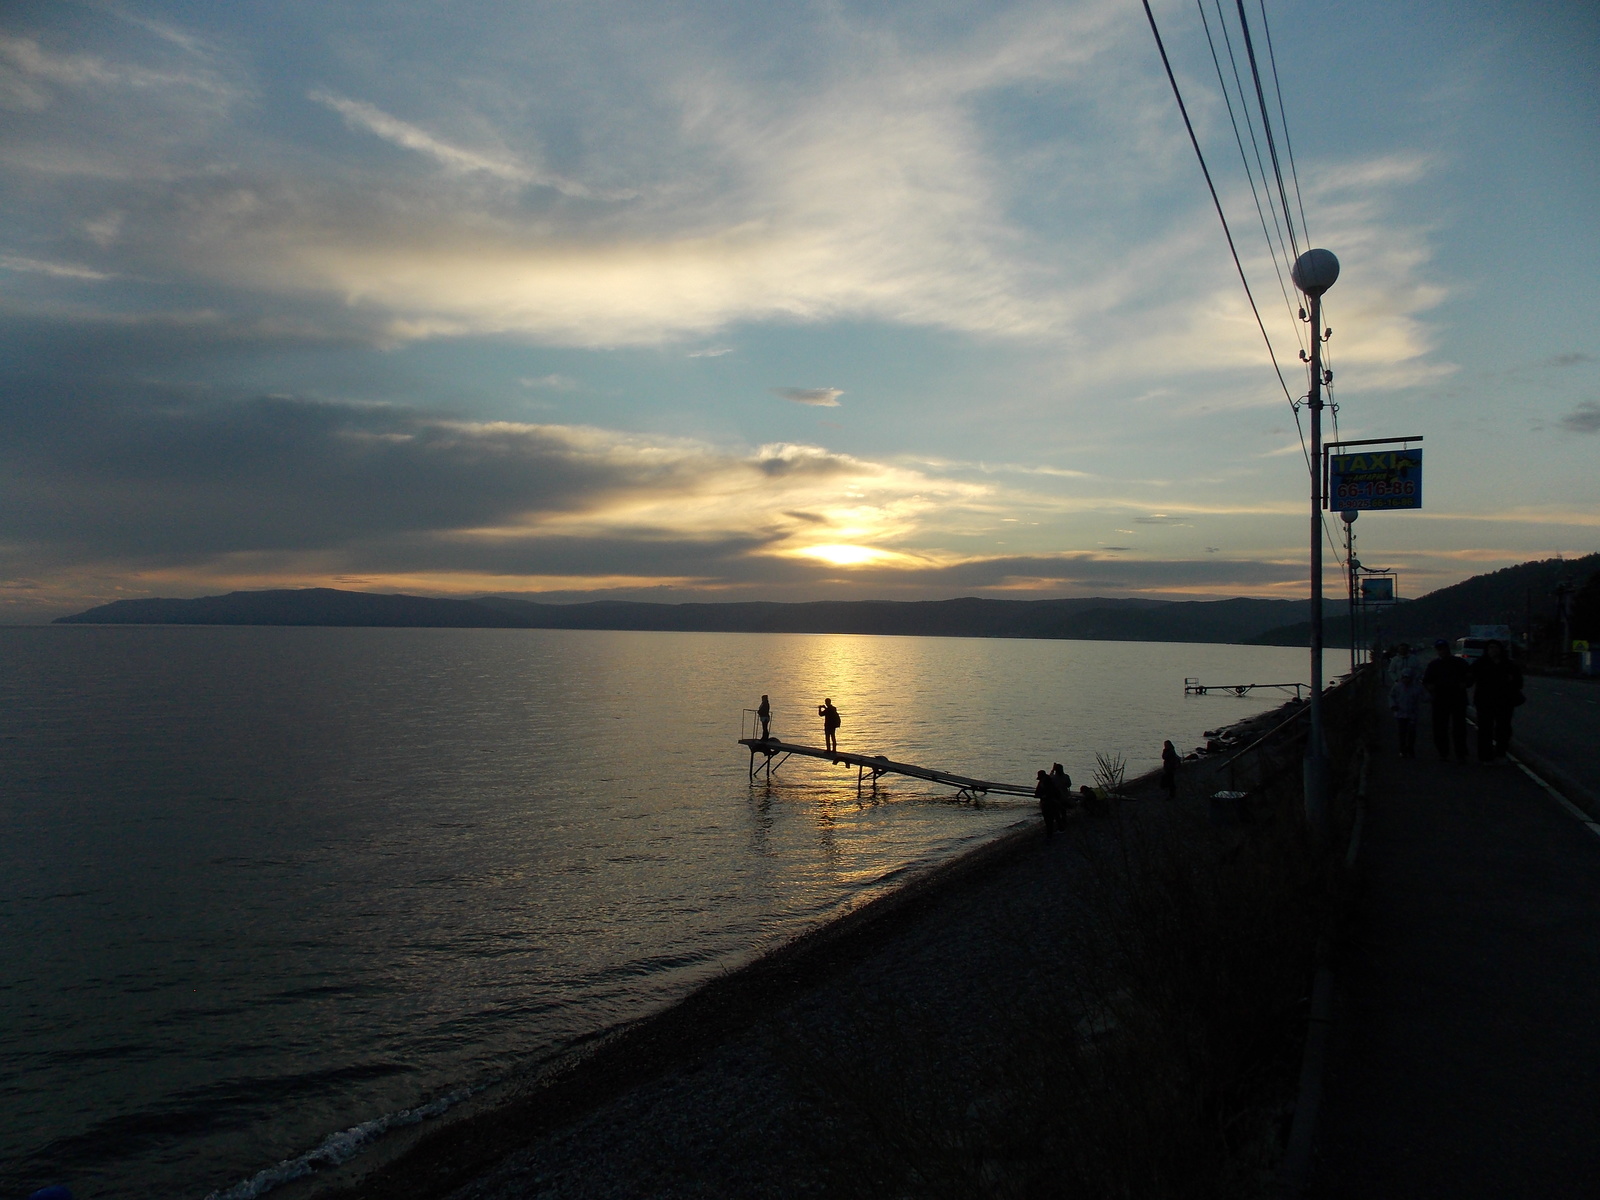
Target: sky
{"x": 689, "y": 301}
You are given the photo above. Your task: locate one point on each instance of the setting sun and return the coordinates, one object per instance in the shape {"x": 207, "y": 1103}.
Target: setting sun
{"x": 841, "y": 555}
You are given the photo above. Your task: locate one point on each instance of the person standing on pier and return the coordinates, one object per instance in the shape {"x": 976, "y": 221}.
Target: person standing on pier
{"x": 830, "y": 724}
{"x": 1447, "y": 680}
{"x": 765, "y": 715}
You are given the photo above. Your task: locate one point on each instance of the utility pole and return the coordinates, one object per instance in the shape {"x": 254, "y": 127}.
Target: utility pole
{"x": 1314, "y": 273}
{"x": 1349, "y": 516}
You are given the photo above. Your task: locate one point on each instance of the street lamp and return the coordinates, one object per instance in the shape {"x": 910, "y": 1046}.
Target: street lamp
{"x": 1314, "y": 272}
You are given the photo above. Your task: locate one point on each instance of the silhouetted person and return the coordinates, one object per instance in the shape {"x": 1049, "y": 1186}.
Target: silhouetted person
{"x": 1496, "y": 690}
{"x": 830, "y": 724}
{"x": 764, "y": 713}
{"x": 1050, "y": 806}
{"x": 1094, "y": 801}
{"x": 1063, "y": 782}
{"x": 1405, "y": 702}
{"x": 1400, "y": 661}
{"x": 1447, "y": 681}
{"x": 1170, "y": 760}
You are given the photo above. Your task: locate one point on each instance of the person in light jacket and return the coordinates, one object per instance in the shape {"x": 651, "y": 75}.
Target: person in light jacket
{"x": 1405, "y": 702}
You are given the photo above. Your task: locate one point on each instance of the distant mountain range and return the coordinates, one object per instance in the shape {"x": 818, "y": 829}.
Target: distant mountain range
{"x": 1503, "y": 597}
{"x": 1085, "y": 619}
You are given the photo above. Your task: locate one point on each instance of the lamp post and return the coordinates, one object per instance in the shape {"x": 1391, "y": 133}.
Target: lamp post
{"x": 1314, "y": 273}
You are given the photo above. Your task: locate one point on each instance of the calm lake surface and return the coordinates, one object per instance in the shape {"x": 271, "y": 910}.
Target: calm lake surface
{"x": 259, "y": 886}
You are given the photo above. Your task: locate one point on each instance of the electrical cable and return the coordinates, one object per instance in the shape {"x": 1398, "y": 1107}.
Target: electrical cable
{"x": 1255, "y": 144}
{"x": 1204, "y": 170}
{"x": 1266, "y": 127}
{"x": 1283, "y": 119}
{"x": 1233, "y": 250}
{"x": 1244, "y": 158}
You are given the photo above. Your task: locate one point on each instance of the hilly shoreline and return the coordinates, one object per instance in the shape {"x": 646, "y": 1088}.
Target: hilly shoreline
{"x": 1090, "y": 619}
{"x": 1518, "y": 596}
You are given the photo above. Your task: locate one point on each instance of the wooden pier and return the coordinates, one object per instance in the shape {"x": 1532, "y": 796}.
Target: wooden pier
{"x": 873, "y": 766}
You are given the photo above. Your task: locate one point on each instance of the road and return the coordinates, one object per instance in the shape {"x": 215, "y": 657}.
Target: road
{"x": 1561, "y": 723}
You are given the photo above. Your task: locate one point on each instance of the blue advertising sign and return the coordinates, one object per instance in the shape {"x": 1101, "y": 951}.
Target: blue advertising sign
{"x": 1376, "y": 590}
{"x": 1381, "y": 479}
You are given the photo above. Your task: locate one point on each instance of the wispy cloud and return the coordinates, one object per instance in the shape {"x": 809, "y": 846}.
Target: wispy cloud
{"x": 555, "y": 383}
{"x": 39, "y": 266}
{"x": 360, "y": 115}
{"x": 1583, "y": 419}
{"x": 824, "y": 397}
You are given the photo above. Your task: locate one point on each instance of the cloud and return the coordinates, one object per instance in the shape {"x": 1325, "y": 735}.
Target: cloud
{"x": 555, "y": 383}
{"x": 14, "y": 262}
{"x": 25, "y": 67}
{"x": 1583, "y": 419}
{"x": 827, "y": 397}
{"x": 358, "y": 114}
{"x": 714, "y": 352}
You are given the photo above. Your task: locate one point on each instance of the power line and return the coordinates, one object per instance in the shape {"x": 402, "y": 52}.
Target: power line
{"x": 1233, "y": 250}
{"x": 1212, "y": 188}
{"x": 1244, "y": 158}
{"x": 1266, "y": 127}
{"x": 1283, "y": 118}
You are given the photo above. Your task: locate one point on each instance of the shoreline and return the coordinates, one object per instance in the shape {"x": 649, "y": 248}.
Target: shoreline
{"x": 435, "y": 1158}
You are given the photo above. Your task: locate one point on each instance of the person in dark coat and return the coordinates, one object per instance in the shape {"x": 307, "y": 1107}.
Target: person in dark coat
{"x": 1063, "y": 782}
{"x": 1447, "y": 681}
{"x": 1049, "y": 797}
{"x": 830, "y": 723}
{"x": 765, "y": 713}
{"x": 1170, "y": 759}
{"x": 1496, "y": 690}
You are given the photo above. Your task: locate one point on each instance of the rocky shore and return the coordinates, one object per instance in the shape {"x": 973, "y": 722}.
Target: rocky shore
{"x": 1029, "y": 1016}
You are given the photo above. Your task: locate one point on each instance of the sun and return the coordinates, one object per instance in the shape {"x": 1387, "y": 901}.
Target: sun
{"x": 842, "y": 555}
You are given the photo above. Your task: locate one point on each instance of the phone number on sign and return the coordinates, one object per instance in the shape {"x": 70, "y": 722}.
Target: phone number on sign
{"x": 1382, "y": 487}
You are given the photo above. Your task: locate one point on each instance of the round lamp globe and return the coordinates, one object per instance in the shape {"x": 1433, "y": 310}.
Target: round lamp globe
{"x": 1315, "y": 271}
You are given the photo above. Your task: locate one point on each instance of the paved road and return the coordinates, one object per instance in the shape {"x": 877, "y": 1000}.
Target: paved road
{"x": 1561, "y": 723}
{"x": 1465, "y": 1058}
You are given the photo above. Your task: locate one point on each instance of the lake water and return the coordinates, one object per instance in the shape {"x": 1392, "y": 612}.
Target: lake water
{"x": 262, "y": 885}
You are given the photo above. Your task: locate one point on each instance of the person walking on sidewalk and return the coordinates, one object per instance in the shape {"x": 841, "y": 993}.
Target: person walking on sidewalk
{"x": 1405, "y": 702}
{"x": 1497, "y": 689}
{"x": 1448, "y": 679}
